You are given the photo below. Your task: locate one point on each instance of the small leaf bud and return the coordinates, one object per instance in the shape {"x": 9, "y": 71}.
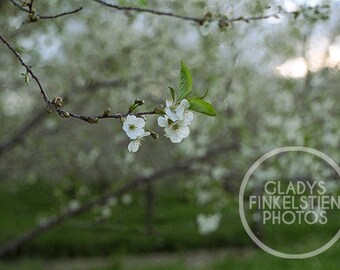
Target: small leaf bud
{"x": 159, "y": 110}
{"x": 107, "y": 112}
{"x": 139, "y": 102}
{"x": 33, "y": 17}
{"x": 57, "y": 102}
{"x": 154, "y": 135}
{"x": 49, "y": 109}
{"x": 92, "y": 120}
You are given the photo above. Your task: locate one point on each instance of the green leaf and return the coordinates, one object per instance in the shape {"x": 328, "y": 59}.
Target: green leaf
{"x": 185, "y": 83}
{"x": 201, "y": 106}
{"x": 173, "y": 93}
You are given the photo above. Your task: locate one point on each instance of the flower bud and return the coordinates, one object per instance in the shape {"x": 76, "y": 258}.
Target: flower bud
{"x": 58, "y": 102}
{"x": 64, "y": 114}
{"x": 106, "y": 112}
{"x": 33, "y": 17}
{"x": 92, "y": 120}
{"x": 154, "y": 135}
{"x": 159, "y": 110}
{"x": 49, "y": 109}
{"x": 139, "y": 102}
{"x": 25, "y": 3}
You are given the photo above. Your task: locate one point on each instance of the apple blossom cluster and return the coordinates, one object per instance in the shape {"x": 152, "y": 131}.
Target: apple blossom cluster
{"x": 134, "y": 129}
{"x": 175, "y": 118}
{"x": 176, "y": 121}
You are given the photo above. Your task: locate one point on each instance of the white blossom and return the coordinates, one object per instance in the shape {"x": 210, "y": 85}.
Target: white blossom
{"x": 106, "y": 212}
{"x": 208, "y": 223}
{"x": 74, "y": 205}
{"x": 134, "y": 144}
{"x": 176, "y": 111}
{"x": 127, "y": 199}
{"x": 176, "y": 131}
{"x": 134, "y": 127}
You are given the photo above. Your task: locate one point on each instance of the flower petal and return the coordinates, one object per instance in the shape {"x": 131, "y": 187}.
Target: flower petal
{"x": 137, "y": 132}
{"x": 175, "y": 138}
{"x": 130, "y": 119}
{"x": 172, "y": 115}
{"x": 125, "y": 127}
{"x": 172, "y": 134}
{"x": 146, "y": 133}
{"x": 139, "y": 122}
{"x": 188, "y": 117}
{"x": 162, "y": 121}
{"x": 184, "y": 131}
{"x": 185, "y": 104}
{"x": 180, "y": 112}
{"x": 169, "y": 102}
{"x": 134, "y": 146}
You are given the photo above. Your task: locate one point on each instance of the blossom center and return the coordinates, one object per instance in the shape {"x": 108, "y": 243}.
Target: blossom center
{"x": 175, "y": 127}
{"x": 132, "y": 127}
{"x": 173, "y": 108}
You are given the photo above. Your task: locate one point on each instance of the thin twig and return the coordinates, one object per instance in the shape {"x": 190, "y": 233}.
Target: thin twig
{"x": 21, "y": 134}
{"x": 44, "y": 17}
{"x": 30, "y": 6}
{"x": 199, "y": 20}
{"x": 28, "y": 69}
{"x": 155, "y": 12}
{"x": 19, "y": 6}
{"x": 51, "y": 104}
{"x": 60, "y": 15}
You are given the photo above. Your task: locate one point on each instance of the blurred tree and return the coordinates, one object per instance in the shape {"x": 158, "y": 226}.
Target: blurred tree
{"x": 272, "y": 73}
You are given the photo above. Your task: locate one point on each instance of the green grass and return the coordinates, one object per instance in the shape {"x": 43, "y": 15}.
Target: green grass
{"x": 174, "y": 223}
{"x": 232, "y": 259}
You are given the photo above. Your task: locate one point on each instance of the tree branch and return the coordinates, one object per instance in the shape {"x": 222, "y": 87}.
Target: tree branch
{"x": 22, "y": 132}
{"x": 222, "y": 20}
{"x": 60, "y": 14}
{"x": 57, "y": 107}
{"x": 44, "y": 17}
{"x": 155, "y": 12}
{"x": 199, "y": 20}
{"x": 11, "y": 247}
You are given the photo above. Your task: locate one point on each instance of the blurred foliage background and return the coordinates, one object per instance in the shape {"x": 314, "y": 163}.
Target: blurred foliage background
{"x": 273, "y": 82}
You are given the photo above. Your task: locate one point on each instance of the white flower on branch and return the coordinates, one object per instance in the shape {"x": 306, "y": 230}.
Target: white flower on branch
{"x": 134, "y": 127}
{"x": 176, "y": 111}
{"x": 176, "y": 130}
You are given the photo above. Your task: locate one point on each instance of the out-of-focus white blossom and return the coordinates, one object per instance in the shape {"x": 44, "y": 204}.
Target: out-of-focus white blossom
{"x": 208, "y": 223}
{"x": 126, "y": 199}
{"x": 203, "y": 197}
{"x": 106, "y": 212}
{"x": 74, "y": 205}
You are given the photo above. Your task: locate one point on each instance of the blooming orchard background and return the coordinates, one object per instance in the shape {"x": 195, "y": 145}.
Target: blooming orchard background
{"x": 273, "y": 82}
